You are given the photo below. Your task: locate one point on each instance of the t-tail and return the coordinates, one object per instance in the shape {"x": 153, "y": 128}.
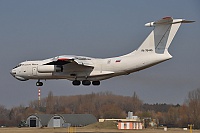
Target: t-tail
{"x": 161, "y": 36}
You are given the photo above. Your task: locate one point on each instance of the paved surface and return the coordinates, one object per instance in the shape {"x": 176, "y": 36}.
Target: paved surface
{"x": 84, "y": 130}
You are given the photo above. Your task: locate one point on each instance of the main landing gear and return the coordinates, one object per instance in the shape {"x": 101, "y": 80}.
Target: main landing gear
{"x": 39, "y": 83}
{"x": 85, "y": 83}
{"x": 76, "y": 83}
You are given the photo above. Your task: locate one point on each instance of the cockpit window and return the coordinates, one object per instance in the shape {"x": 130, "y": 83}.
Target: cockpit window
{"x": 17, "y": 66}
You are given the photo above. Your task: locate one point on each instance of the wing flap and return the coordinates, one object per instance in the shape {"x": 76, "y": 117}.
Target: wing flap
{"x": 97, "y": 73}
{"x": 84, "y": 63}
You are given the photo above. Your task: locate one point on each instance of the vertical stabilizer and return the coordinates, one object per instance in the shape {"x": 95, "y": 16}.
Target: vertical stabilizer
{"x": 162, "y": 35}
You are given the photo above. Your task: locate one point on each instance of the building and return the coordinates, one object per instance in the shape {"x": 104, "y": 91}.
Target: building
{"x": 130, "y": 118}
{"x": 131, "y": 122}
{"x": 38, "y": 120}
{"x": 60, "y": 120}
{"x": 129, "y": 125}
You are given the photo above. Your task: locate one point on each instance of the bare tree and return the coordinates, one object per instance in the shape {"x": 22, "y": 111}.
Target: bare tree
{"x": 194, "y": 107}
{"x": 50, "y": 103}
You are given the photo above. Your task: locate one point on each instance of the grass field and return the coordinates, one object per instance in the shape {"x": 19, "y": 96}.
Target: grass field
{"x": 94, "y": 130}
{"x": 104, "y": 127}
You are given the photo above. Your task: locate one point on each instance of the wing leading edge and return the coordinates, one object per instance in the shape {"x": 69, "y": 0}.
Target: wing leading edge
{"x": 63, "y": 60}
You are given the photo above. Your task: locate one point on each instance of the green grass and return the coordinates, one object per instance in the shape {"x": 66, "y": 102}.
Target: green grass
{"x": 103, "y": 125}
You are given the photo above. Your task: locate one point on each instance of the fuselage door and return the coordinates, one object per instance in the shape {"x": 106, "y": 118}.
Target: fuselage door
{"x": 34, "y": 71}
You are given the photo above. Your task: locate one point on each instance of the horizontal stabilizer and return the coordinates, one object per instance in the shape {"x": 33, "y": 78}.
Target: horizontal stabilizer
{"x": 185, "y": 21}
{"x": 167, "y": 20}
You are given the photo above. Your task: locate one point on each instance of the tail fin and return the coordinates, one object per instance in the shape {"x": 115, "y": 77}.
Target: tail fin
{"x": 162, "y": 35}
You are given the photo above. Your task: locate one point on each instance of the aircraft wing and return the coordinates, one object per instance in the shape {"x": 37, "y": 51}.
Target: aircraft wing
{"x": 63, "y": 60}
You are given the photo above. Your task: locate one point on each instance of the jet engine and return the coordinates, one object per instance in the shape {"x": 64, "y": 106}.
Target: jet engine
{"x": 49, "y": 68}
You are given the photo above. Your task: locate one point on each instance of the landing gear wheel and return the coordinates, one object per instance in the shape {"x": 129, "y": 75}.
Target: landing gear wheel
{"x": 39, "y": 83}
{"x": 96, "y": 83}
{"x": 86, "y": 82}
{"x": 76, "y": 82}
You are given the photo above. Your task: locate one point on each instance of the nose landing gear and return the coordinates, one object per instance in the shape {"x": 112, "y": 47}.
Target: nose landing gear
{"x": 39, "y": 83}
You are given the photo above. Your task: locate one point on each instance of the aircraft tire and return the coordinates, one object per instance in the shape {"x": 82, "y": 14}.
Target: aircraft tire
{"x": 39, "y": 84}
{"x": 86, "y": 82}
{"x": 76, "y": 82}
{"x": 96, "y": 83}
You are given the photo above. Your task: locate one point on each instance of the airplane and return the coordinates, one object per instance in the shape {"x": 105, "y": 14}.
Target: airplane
{"x": 87, "y": 70}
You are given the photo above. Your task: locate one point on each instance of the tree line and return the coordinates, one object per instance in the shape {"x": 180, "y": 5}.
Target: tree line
{"x": 108, "y": 105}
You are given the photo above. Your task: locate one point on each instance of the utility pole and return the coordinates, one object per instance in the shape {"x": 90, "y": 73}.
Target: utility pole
{"x": 39, "y": 93}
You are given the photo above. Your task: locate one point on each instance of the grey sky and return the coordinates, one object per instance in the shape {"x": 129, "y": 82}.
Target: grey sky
{"x": 31, "y": 30}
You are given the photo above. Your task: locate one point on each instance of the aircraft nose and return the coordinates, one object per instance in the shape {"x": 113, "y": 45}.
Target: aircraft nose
{"x": 12, "y": 72}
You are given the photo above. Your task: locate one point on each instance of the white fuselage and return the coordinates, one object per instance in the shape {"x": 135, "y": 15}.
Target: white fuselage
{"x": 103, "y": 68}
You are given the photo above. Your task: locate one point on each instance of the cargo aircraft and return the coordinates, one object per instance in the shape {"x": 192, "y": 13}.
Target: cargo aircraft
{"x": 86, "y": 70}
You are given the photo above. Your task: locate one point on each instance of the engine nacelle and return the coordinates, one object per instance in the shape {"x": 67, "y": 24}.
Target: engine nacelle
{"x": 49, "y": 68}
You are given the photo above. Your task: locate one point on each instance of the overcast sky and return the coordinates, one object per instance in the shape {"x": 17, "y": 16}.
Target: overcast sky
{"x": 40, "y": 29}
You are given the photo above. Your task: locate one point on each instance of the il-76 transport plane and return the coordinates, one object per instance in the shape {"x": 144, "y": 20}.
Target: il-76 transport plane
{"x": 87, "y": 70}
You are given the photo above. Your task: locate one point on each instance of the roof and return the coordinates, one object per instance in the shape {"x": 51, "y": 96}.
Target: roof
{"x": 73, "y": 119}
{"x": 44, "y": 118}
{"x": 79, "y": 119}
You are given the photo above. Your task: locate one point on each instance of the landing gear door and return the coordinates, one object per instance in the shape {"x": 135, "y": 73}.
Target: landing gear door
{"x": 34, "y": 71}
